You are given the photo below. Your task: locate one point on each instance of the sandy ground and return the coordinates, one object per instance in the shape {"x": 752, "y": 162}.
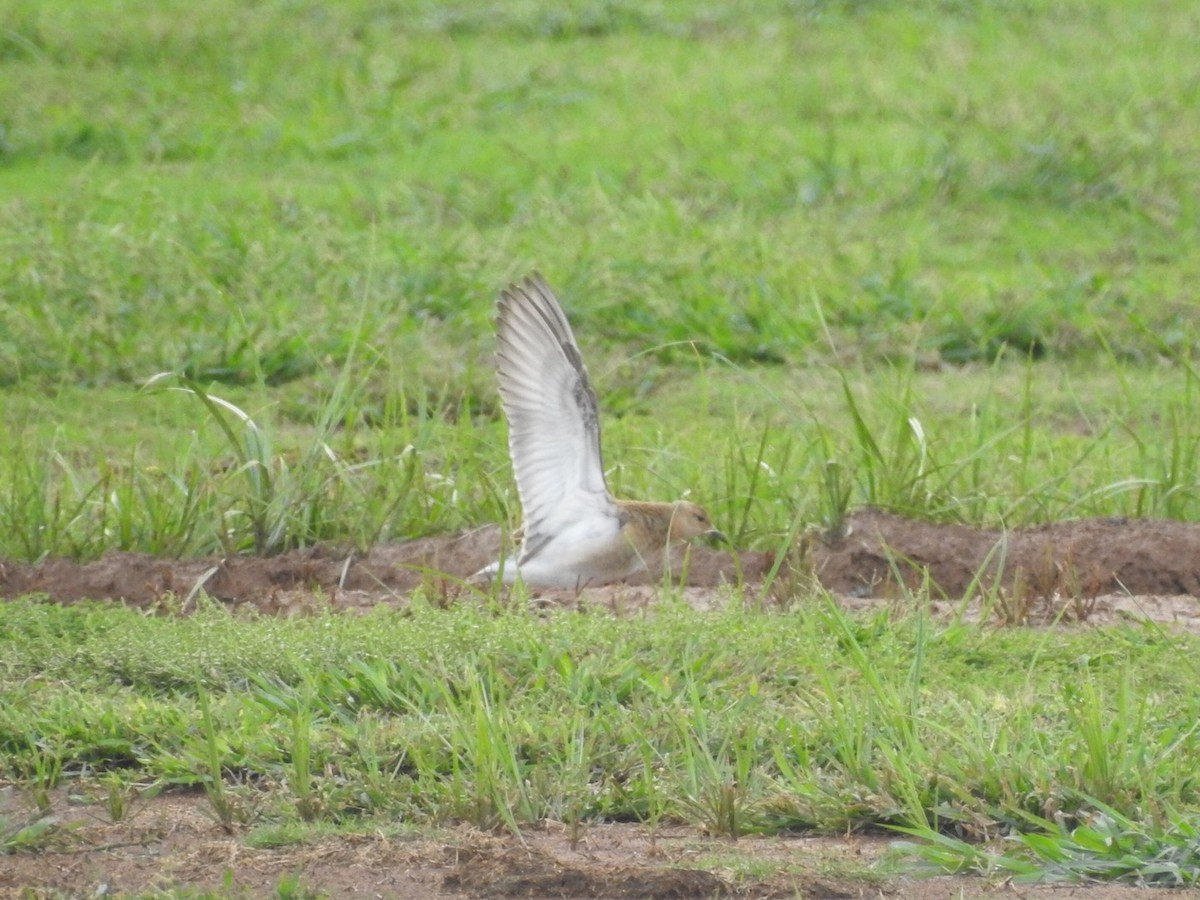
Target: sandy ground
{"x": 172, "y": 841}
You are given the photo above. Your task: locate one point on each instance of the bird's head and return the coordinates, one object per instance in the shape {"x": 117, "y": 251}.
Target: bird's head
{"x": 689, "y": 520}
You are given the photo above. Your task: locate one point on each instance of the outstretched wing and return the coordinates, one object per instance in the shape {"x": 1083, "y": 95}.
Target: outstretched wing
{"x": 553, "y": 420}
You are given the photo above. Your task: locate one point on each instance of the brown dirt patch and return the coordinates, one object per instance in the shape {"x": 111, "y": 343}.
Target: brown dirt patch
{"x": 498, "y": 869}
{"x": 1100, "y": 570}
{"x": 1083, "y": 557}
{"x": 171, "y": 843}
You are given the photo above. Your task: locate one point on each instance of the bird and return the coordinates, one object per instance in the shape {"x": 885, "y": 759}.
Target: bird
{"x": 575, "y": 533}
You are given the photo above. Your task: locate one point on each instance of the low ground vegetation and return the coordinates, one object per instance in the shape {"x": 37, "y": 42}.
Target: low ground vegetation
{"x": 934, "y": 257}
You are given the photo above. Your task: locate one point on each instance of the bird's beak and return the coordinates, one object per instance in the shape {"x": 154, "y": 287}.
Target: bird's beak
{"x": 715, "y": 537}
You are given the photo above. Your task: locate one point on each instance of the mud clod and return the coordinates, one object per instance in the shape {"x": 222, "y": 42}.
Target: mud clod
{"x": 1028, "y": 574}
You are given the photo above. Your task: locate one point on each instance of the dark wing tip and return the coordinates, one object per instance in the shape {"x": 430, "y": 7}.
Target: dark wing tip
{"x": 531, "y": 290}
{"x": 532, "y": 298}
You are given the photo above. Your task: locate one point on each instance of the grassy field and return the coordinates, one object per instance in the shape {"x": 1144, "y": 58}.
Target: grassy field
{"x": 937, "y": 256}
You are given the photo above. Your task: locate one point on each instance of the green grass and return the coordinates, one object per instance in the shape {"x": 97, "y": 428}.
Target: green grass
{"x": 935, "y": 256}
{"x": 157, "y": 470}
{"x": 740, "y": 722}
{"x": 307, "y": 212}
{"x": 1101, "y": 845}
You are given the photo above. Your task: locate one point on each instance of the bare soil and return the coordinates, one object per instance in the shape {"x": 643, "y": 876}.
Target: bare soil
{"x": 1094, "y": 572}
{"x": 171, "y": 842}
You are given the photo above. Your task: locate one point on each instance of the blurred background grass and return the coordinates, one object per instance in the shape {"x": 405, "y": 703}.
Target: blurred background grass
{"x": 273, "y": 196}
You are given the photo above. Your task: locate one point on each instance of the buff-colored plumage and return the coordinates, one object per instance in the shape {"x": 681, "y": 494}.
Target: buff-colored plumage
{"x": 575, "y": 532}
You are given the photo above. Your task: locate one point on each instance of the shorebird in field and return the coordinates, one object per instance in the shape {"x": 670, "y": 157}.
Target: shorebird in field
{"x": 575, "y": 533}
